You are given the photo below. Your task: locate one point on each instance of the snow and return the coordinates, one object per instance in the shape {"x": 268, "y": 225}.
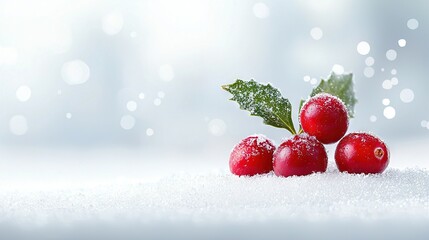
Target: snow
{"x": 223, "y": 196}
{"x": 195, "y": 203}
{"x": 121, "y": 194}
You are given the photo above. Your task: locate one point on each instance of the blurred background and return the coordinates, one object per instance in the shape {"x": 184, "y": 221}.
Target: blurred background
{"x": 97, "y": 90}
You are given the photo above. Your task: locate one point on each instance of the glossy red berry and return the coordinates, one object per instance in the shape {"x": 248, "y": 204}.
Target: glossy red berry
{"x": 325, "y": 117}
{"x": 253, "y": 155}
{"x": 300, "y": 155}
{"x": 361, "y": 153}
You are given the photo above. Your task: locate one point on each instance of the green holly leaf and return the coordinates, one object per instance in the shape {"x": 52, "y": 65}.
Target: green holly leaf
{"x": 263, "y": 101}
{"x": 341, "y": 86}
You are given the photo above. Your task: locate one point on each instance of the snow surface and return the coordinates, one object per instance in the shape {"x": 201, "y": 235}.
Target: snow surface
{"x": 220, "y": 205}
{"x": 123, "y": 194}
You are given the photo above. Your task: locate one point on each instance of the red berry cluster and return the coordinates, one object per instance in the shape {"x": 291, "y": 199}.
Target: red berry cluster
{"x": 324, "y": 120}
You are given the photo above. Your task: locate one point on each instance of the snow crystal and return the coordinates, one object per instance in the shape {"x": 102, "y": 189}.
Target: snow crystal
{"x": 406, "y": 95}
{"x": 68, "y": 115}
{"x": 413, "y": 24}
{"x": 393, "y": 71}
{"x": 316, "y": 33}
{"x": 363, "y": 48}
{"x": 261, "y": 10}
{"x": 141, "y": 95}
{"x": 23, "y": 93}
{"x": 313, "y": 81}
{"x": 394, "y": 81}
{"x": 18, "y": 125}
{"x": 423, "y": 123}
{"x": 373, "y": 118}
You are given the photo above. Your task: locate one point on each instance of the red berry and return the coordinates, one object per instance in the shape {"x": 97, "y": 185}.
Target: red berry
{"x": 253, "y": 155}
{"x": 325, "y": 117}
{"x": 300, "y": 155}
{"x": 361, "y": 153}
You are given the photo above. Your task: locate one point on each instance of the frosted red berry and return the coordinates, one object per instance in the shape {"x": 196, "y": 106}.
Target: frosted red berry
{"x": 300, "y": 155}
{"x": 361, "y": 153}
{"x": 253, "y": 155}
{"x": 325, "y": 117}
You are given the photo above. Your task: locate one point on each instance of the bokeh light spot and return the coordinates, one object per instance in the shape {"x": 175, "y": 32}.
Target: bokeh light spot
{"x": 18, "y": 125}
{"x": 75, "y": 72}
